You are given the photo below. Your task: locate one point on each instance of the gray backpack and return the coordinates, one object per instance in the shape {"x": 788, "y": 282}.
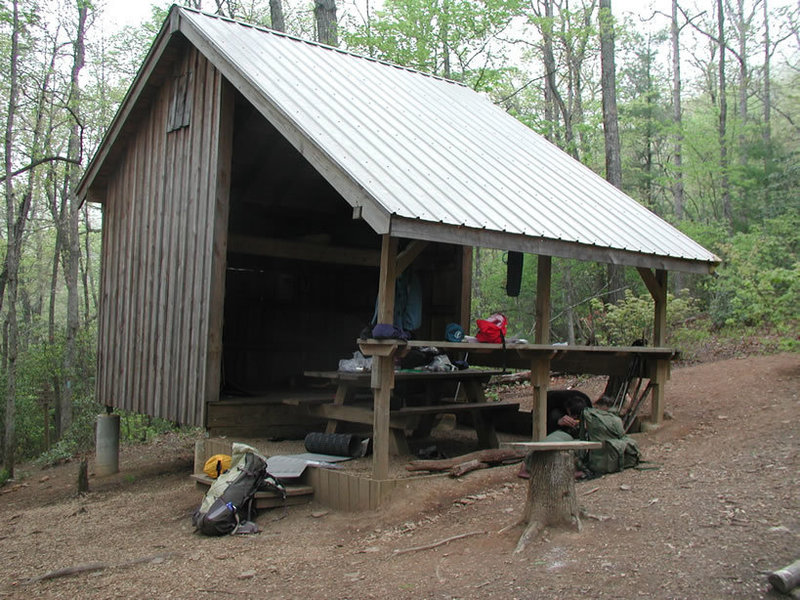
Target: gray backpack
{"x": 619, "y": 451}
{"x": 228, "y": 506}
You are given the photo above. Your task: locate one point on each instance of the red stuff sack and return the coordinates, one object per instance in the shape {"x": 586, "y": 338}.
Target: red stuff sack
{"x": 492, "y": 330}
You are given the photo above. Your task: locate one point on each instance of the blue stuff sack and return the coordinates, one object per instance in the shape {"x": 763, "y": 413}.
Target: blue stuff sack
{"x": 454, "y": 333}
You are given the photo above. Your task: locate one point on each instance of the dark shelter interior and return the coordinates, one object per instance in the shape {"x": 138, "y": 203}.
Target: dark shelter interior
{"x": 302, "y": 270}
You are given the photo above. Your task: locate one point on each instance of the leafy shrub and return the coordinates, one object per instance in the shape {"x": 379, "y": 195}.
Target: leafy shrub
{"x": 80, "y": 436}
{"x": 632, "y": 318}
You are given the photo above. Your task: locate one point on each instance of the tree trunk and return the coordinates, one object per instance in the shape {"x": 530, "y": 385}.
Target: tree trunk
{"x": 677, "y": 117}
{"x": 742, "y": 25}
{"x": 549, "y": 61}
{"x": 87, "y": 276}
{"x": 325, "y": 16}
{"x": 444, "y": 32}
{"x": 72, "y": 237}
{"x": 677, "y": 123}
{"x": 766, "y": 132}
{"x": 608, "y": 85}
{"x": 12, "y": 257}
{"x": 551, "y": 500}
{"x": 276, "y": 15}
{"x": 727, "y": 210}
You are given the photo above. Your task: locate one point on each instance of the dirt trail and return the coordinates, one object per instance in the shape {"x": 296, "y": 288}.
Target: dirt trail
{"x": 717, "y": 506}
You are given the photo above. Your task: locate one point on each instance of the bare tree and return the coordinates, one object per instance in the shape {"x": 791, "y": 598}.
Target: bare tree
{"x": 325, "y": 18}
{"x": 608, "y": 85}
{"x": 70, "y": 225}
{"x": 12, "y": 252}
{"x": 727, "y": 210}
{"x": 276, "y": 15}
{"x": 677, "y": 118}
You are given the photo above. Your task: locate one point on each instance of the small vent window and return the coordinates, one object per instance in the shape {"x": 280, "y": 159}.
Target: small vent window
{"x": 180, "y": 109}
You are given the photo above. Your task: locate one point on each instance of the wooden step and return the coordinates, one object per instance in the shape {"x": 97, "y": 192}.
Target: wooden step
{"x": 295, "y": 493}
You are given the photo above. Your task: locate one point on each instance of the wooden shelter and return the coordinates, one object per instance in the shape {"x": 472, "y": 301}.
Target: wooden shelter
{"x": 259, "y": 192}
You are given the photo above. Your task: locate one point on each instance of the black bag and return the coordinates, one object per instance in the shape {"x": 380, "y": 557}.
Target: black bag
{"x": 228, "y": 504}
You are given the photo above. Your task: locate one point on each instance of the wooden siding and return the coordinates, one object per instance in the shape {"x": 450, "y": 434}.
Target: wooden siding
{"x": 164, "y": 247}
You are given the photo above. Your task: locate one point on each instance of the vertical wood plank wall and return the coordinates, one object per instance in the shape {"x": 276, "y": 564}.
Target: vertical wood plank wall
{"x": 160, "y": 231}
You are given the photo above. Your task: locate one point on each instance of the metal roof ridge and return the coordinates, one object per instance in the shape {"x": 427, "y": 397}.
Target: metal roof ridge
{"x": 295, "y": 38}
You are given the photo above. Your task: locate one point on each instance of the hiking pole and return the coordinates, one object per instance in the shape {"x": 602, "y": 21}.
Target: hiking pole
{"x": 631, "y": 414}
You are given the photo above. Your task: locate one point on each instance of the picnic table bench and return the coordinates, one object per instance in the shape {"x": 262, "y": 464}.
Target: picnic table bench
{"x": 416, "y": 419}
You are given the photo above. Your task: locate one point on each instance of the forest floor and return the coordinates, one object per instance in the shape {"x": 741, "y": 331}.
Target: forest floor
{"x": 716, "y": 507}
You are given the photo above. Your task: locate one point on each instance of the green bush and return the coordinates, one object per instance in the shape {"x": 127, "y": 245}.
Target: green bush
{"x": 80, "y": 437}
{"x": 632, "y": 318}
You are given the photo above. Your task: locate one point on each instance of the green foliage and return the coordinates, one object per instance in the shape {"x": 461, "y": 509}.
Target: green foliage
{"x": 451, "y": 38}
{"x": 137, "y": 428}
{"x": 632, "y": 318}
{"x": 759, "y": 281}
{"x": 80, "y": 437}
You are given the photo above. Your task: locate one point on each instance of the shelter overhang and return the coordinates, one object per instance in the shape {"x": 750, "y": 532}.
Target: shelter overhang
{"x": 484, "y": 238}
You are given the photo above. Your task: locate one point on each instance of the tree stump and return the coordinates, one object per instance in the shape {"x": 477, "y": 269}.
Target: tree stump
{"x": 83, "y": 477}
{"x": 551, "y": 500}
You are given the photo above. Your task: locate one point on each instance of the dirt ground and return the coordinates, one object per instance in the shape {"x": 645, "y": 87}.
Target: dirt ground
{"x": 716, "y": 506}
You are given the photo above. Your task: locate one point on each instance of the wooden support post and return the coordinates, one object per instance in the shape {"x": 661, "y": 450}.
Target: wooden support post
{"x": 466, "y": 288}
{"x": 383, "y": 366}
{"x": 657, "y": 285}
{"x": 540, "y": 380}
{"x": 540, "y": 366}
{"x": 219, "y": 231}
{"x": 544, "y": 267}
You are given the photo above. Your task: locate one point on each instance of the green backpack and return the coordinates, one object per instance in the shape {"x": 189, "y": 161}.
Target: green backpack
{"x": 619, "y": 451}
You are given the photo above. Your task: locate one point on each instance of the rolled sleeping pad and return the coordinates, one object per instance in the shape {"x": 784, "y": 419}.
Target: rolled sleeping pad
{"x": 336, "y": 444}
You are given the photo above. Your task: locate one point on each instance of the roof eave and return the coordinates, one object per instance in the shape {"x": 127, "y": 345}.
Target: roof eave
{"x": 486, "y": 238}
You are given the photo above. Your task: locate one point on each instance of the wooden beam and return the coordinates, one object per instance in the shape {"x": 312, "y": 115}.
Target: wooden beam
{"x": 660, "y": 316}
{"x": 651, "y": 282}
{"x": 383, "y": 366}
{"x": 220, "y": 241}
{"x": 466, "y": 288}
{"x": 540, "y": 366}
{"x": 659, "y": 339}
{"x": 544, "y": 268}
{"x": 256, "y": 246}
{"x": 540, "y": 380}
{"x": 418, "y": 229}
{"x": 407, "y": 256}
{"x": 386, "y": 282}
{"x": 657, "y": 285}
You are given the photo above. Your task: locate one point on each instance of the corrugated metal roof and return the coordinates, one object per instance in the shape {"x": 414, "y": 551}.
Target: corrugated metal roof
{"x": 417, "y": 149}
